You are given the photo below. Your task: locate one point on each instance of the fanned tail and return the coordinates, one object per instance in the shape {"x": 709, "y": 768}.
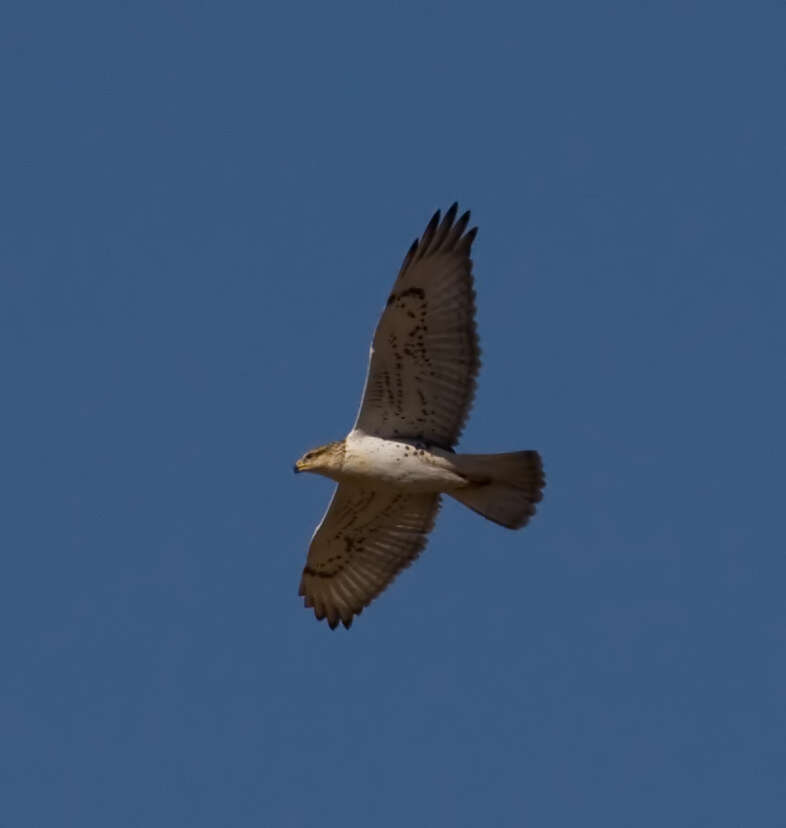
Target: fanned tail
{"x": 504, "y": 488}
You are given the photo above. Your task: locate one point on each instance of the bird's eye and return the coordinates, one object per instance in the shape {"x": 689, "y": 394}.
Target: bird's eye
{"x": 309, "y": 455}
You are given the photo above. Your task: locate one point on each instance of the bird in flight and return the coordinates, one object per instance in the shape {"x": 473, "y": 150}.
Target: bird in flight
{"x": 398, "y": 459}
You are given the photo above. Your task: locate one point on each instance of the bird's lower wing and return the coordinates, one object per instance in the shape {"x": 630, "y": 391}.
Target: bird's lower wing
{"x": 365, "y": 539}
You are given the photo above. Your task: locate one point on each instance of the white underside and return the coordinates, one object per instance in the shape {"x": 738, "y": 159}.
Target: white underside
{"x": 398, "y": 464}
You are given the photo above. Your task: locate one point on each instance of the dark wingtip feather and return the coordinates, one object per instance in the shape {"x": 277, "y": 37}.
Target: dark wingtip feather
{"x": 445, "y": 229}
{"x": 466, "y": 241}
{"x": 428, "y": 233}
{"x": 457, "y": 231}
{"x": 410, "y": 254}
{"x": 441, "y": 233}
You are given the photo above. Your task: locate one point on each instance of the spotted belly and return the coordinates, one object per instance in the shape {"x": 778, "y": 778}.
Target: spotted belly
{"x": 400, "y": 464}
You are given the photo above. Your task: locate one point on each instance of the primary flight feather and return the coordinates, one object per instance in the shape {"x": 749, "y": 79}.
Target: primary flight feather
{"x": 398, "y": 459}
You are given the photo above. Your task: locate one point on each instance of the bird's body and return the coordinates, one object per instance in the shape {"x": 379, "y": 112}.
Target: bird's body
{"x": 398, "y": 459}
{"x": 409, "y": 465}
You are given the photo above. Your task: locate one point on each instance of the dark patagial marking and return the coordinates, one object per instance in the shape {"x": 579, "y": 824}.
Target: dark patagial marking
{"x": 321, "y": 573}
{"x": 413, "y": 291}
{"x": 333, "y": 565}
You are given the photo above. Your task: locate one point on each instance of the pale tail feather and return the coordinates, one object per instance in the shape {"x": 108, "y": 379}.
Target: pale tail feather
{"x": 504, "y": 487}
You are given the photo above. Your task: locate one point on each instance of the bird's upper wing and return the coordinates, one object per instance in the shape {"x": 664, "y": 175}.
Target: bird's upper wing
{"x": 425, "y": 354}
{"x": 364, "y": 540}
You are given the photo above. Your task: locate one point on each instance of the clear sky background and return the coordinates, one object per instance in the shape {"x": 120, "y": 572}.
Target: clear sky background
{"x": 203, "y": 207}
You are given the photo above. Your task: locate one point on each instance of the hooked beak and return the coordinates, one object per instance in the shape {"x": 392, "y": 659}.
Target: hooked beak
{"x": 296, "y": 467}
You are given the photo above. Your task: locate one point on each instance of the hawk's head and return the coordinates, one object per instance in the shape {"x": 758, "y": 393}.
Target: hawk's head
{"x": 323, "y": 460}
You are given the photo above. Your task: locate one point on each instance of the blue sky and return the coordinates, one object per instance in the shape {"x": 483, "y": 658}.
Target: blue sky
{"x": 203, "y": 208}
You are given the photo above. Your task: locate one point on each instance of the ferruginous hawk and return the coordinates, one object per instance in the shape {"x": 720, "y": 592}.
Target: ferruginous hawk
{"x": 398, "y": 459}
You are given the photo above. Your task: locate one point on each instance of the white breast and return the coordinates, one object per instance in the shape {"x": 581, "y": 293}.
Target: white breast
{"x": 398, "y": 464}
